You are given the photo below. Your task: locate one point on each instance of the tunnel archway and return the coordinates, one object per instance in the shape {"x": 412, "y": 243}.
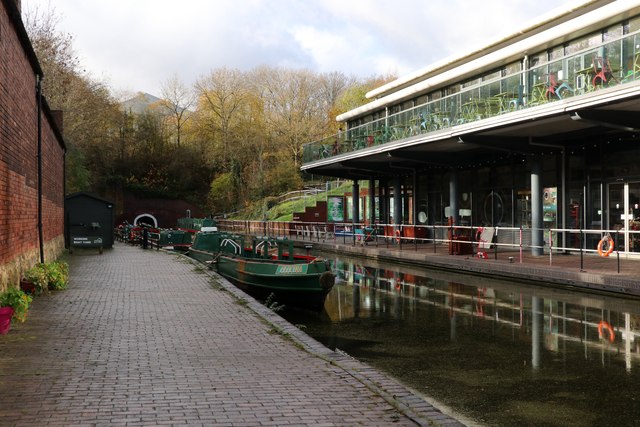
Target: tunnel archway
{"x": 146, "y": 218}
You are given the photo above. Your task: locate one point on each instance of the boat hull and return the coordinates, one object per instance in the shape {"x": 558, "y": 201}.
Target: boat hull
{"x": 302, "y": 285}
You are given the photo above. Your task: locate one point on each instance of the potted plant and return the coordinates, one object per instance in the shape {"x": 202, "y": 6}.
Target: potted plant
{"x": 14, "y": 304}
{"x": 5, "y": 319}
{"x": 35, "y": 280}
{"x": 57, "y": 275}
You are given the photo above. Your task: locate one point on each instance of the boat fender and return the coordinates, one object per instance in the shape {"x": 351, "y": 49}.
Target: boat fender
{"x": 327, "y": 280}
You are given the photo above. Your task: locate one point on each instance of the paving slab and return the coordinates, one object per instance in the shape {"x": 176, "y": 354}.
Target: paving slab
{"x": 146, "y": 337}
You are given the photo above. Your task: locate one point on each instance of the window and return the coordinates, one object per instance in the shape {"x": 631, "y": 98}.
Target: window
{"x": 632, "y": 26}
{"x": 423, "y": 99}
{"x": 583, "y": 43}
{"x": 612, "y": 33}
{"x": 471, "y": 82}
{"x": 495, "y": 74}
{"x": 556, "y": 53}
{"x": 513, "y": 68}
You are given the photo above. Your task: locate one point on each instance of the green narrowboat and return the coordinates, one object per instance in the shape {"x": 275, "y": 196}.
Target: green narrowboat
{"x": 266, "y": 266}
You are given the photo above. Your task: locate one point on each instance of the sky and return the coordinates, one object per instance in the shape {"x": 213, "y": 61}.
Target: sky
{"x": 137, "y": 45}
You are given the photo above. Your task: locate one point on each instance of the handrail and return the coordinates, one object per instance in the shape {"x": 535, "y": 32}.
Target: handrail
{"x": 560, "y": 79}
{"x": 506, "y": 242}
{"x": 236, "y": 247}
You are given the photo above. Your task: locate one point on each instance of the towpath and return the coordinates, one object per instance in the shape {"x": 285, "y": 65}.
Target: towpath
{"x": 148, "y": 338}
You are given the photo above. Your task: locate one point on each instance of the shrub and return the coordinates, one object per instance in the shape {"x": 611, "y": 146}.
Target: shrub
{"x": 18, "y": 300}
{"x": 57, "y": 275}
{"x": 37, "y": 275}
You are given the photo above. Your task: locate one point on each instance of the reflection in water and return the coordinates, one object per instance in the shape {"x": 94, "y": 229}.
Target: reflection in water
{"x": 501, "y": 353}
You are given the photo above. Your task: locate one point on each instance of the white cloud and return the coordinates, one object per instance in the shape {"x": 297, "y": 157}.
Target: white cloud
{"x": 139, "y": 44}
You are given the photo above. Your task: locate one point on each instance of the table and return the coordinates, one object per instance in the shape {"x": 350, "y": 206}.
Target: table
{"x": 502, "y": 99}
{"x": 440, "y": 119}
{"x": 495, "y": 105}
{"x": 414, "y": 128}
{"x": 539, "y": 93}
{"x": 470, "y": 110}
{"x": 398, "y": 131}
{"x": 583, "y": 80}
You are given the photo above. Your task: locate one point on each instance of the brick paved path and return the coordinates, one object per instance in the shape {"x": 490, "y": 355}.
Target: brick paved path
{"x": 147, "y": 338}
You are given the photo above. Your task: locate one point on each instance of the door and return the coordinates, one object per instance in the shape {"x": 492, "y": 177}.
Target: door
{"x": 624, "y": 214}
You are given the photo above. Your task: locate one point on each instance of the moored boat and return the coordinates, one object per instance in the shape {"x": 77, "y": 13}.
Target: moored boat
{"x": 266, "y": 266}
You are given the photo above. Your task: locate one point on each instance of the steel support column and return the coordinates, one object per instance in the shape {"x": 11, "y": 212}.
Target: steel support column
{"x": 537, "y": 232}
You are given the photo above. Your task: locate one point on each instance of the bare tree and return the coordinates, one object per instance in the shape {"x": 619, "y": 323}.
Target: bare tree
{"x": 177, "y": 100}
{"x": 55, "y": 53}
{"x": 332, "y": 86}
{"x": 90, "y": 113}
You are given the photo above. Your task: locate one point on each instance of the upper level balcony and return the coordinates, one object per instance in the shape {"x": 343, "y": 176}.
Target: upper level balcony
{"x": 604, "y": 69}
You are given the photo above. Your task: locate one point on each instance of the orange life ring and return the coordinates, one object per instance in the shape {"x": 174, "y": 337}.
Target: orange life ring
{"x": 602, "y": 252}
{"x": 604, "y": 326}
{"x": 397, "y": 236}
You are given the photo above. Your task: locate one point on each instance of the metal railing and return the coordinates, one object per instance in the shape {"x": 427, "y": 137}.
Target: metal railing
{"x": 590, "y": 70}
{"x": 507, "y": 243}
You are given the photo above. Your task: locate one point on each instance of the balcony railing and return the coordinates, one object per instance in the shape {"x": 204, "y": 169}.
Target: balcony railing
{"x": 608, "y": 65}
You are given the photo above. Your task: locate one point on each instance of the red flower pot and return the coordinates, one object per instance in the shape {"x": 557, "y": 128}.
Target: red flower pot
{"x": 27, "y": 287}
{"x": 5, "y": 319}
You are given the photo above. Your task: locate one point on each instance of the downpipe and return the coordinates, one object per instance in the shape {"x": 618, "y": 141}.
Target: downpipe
{"x": 39, "y": 104}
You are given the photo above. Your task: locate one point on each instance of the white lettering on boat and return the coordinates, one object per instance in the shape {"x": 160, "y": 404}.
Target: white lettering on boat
{"x": 291, "y": 269}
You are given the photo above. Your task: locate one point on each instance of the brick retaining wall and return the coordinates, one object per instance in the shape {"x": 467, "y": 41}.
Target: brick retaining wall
{"x": 19, "y": 244}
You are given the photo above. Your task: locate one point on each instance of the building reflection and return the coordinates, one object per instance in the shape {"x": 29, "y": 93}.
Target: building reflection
{"x": 549, "y": 319}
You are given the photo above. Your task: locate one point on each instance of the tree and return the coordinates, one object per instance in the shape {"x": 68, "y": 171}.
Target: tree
{"x": 238, "y": 135}
{"x": 221, "y": 98}
{"x": 55, "y": 53}
{"x": 90, "y": 113}
{"x": 294, "y": 113}
{"x": 177, "y": 100}
{"x": 353, "y": 95}
{"x": 221, "y": 194}
{"x": 332, "y": 86}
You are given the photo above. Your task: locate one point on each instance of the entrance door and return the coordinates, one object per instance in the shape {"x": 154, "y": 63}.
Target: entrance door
{"x": 624, "y": 214}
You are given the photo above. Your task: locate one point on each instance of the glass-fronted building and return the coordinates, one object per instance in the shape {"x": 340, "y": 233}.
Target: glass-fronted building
{"x": 539, "y": 129}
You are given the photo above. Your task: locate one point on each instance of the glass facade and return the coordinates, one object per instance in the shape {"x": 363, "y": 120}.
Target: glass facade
{"x": 590, "y": 183}
{"x": 603, "y": 59}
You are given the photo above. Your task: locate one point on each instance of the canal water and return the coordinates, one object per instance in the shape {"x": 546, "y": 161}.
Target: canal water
{"x": 494, "y": 352}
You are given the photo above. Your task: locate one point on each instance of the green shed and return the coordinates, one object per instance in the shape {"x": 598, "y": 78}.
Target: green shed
{"x": 89, "y": 221}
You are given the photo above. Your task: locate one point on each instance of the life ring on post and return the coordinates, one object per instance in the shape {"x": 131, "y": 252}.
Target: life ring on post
{"x": 397, "y": 236}
{"x": 601, "y": 251}
{"x": 604, "y": 326}
{"x": 479, "y": 231}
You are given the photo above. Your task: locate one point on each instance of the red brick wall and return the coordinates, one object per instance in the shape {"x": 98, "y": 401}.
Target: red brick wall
{"x": 19, "y": 244}
{"x": 165, "y": 211}
{"x": 53, "y": 182}
{"x": 317, "y": 213}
